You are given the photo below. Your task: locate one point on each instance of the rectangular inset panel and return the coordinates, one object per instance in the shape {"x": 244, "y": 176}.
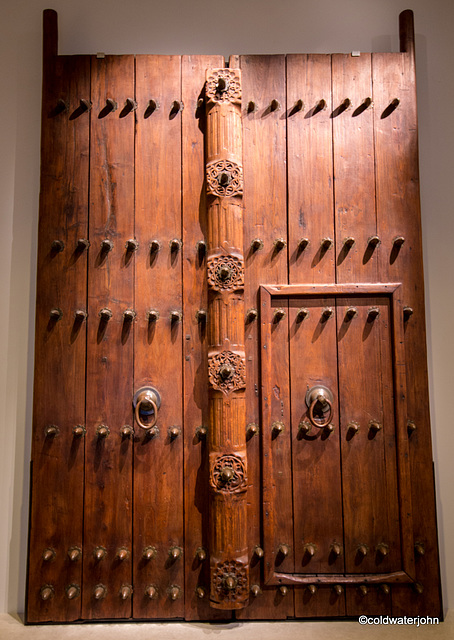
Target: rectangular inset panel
{"x": 353, "y": 157}
{"x": 310, "y": 168}
{"x": 158, "y": 459}
{"x": 59, "y": 388}
{"x": 368, "y": 436}
{"x": 108, "y": 468}
{"x": 196, "y": 413}
{"x": 265, "y": 253}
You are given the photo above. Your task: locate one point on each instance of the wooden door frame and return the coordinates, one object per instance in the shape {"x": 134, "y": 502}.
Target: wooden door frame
{"x": 393, "y": 292}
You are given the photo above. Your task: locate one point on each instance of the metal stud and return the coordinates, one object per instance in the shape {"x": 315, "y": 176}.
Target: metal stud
{"x": 105, "y": 314}
{"x": 283, "y": 550}
{"x": 411, "y": 427}
{"x": 349, "y": 242}
{"x": 176, "y": 107}
{"x": 57, "y": 246}
{"x": 418, "y": 588}
{"x": 201, "y": 316}
{"x": 123, "y": 554}
{"x": 384, "y": 588}
{"x": 279, "y": 314}
{"x": 201, "y": 248}
{"x": 258, "y": 551}
{"x": 373, "y": 313}
{"x": 152, "y": 106}
{"x": 252, "y": 429}
{"x": 106, "y": 245}
{"x": 352, "y": 427}
{"x": 251, "y": 106}
{"x": 326, "y": 243}
{"x": 201, "y": 432}
{"x": 338, "y": 589}
{"x": 176, "y": 316}
{"x": 125, "y": 591}
{"x": 80, "y": 315}
{"x": 275, "y": 105}
{"x": 47, "y": 592}
{"x": 74, "y": 553}
{"x": 277, "y": 427}
{"x": 351, "y": 313}
{"x": 310, "y": 549}
{"x": 398, "y": 241}
{"x": 298, "y": 106}
{"x": 327, "y": 313}
{"x": 373, "y": 241}
{"x": 131, "y": 245}
{"x": 255, "y": 590}
{"x": 99, "y": 592}
{"x": 363, "y": 590}
{"x": 49, "y": 554}
{"x": 375, "y": 426}
{"x": 408, "y": 312}
{"x": 256, "y": 244}
{"x": 200, "y": 592}
{"x": 149, "y": 553}
{"x": 102, "y": 431}
{"x": 321, "y": 104}
{"x": 227, "y": 474}
{"x": 279, "y": 244}
{"x": 155, "y": 246}
{"x": 82, "y": 244}
{"x": 303, "y": 243}
{"x": 420, "y": 549}
{"x": 56, "y": 314}
{"x": 174, "y": 592}
{"x": 111, "y": 105}
{"x": 251, "y": 315}
{"x": 329, "y": 428}
{"x": 336, "y": 549}
{"x": 130, "y": 104}
{"x": 175, "y": 245}
{"x": 362, "y": 550}
{"x": 283, "y": 590}
{"x": 382, "y": 549}
{"x": 129, "y": 315}
{"x": 127, "y": 431}
{"x": 302, "y": 314}
{"x": 100, "y": 553}
{"x": 152, "y": 315}
{"x": 175, "y": 552}
{"x": 85, "y": 105}
{"x": 201, "y": 554}
{"x": 304, "y": 426}
{"x": 151, "y": 591}
{"x": 345, "y": 104}
{"x": 51, "y": 431}
{"x": 174, "y": 432}
{"x": 72, "y": 591}
{"x": 312, "y": 589}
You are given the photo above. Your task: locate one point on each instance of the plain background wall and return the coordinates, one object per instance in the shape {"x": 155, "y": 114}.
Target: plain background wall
{"x": 209, "y": 26}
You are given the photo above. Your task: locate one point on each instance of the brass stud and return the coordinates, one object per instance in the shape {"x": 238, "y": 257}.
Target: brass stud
{"x": 226, "y": 372}
{"x": 200, "y": 592}
{"x": 201, "y": 554}
{"x": 130, "y": 104}
{"x": 111, "y": 105}
{"x": 255, "y": 590}
{"x": 375, "y": 426}
{"x": 336, "y": 549}
{"x": 251, "y": 315}
{"x": 321, "y": 104}
{"x": 79, "y": 431}
{"x": 352, "y": 427}
{"x": 131, "y": 245}
{"x": 85, "y": 105}
{"x": 61, "y": 107}
{"x": 382, "y": 549}
{"x": 151, "y": 591}
{"x": 175, "y": 552}
{"x": 129, "y": 315}
{"x": 127, "y": 431}
{"x": 298, "y": 106}
{"x": 326, "y": 243}
{"x": 125, "y": 591}
{"x": 279, "y": 314}
{"x": 106, "y": 246}
{"x": 174, "y": 592}
{"x": 72, "y": 591}
{"x": 201, "y": 432}
{"x": 155, "y": 246}
{"x": 312, "y": 589}
{"x": 57, "y": 246}
{"x": 394, "y": 103}
{"x": 351, "y": 313}
{"x": 373, "y": 241}
{"x": 362, "y": 550}
{"x": 230, "y": 583}
{"x": 105, "y": 314}
{"x": 303, "y": 243}
{"x": 373, "y": 313}
{"x": 279, "y": 244}
{"x": 411, "y": 427}
{"x": 277, "y": 427}
{"x": 123, "y": 554}
{"x": 420, "y": 549}
{"x": 51, "y": 431}
{"x": 175, "y": 107}
{"x": 47, "y": 592}
{"x": 74, "y": 553}
{"x": 256, "y": 244}
{"x": 175, "y": 244}
{"x": 283, "y": 550}
{"x": 227, "y": 474}
{"x": 363, "y": 590}
{"x": 349, "y": 242}
{"x": 201, "y": 248}
{"x": 398, "y": 241}
{"x": 252, "y": 429}
{"x": 310, "y": 549}
{"x": 80, "y": 315}
{"x": 56, "y": 314}
{"x": 385, "y": 589}
{"x": 82, "y": 244}
{"x": 418, "y": 588}
{"x": 305, "y": 426}
{"x": 283, "y": 590}
{"x": 99, "y": 592}
{"x": 49, "y": 554}
{"x": 100, "y": 553}
{"x": 338, "y": 589}
{"x": 345, "y": 104}
{"x": 275, "y": 105}
{"x": 152, "y": 315}
{"x": 152, "y": 106}
{"x": 408, "y": 312}
{"x": 176, "y": 316}
{"x": 327, "y": 313}
{"x": 102, "y": 431}
{"x": 201, "y": 316}
{"x": 251, "y": 106}
{"x": 329, "y": 428}
{"x": 367, "y": 102}
{"x": 258, "y": 551}
{"x": 149, "y": 553}
{"x": 302, "y": 314}
{"x": 174, "y": 432}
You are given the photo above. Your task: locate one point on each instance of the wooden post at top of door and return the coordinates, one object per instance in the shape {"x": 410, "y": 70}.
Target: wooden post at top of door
{"x": 226, "y": 357}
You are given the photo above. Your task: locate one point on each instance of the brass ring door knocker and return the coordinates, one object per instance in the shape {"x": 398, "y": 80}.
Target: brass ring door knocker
{"x": 319, "y": 401}
{"x": 146, "y": 403}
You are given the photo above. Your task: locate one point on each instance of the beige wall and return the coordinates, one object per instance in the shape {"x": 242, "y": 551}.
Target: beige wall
{"x": 209, "y": 26}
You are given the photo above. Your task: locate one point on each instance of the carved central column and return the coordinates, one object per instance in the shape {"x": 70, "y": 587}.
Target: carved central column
{"x": 226, "y": 357}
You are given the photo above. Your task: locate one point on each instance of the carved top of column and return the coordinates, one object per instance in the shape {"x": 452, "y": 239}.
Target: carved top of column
{"x": 223, "y": 85}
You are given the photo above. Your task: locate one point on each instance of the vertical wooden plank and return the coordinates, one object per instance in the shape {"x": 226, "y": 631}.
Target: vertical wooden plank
{"x": 108, "y": 468}
{"x": 196, "y": 411}
{"x": 58, "y": 458}
{"x": 265, "y": 219}
{"x": 158, "y": 459}
{"x": 369, "y": 478}
{"x": 310, "y": 168}
{"x": 353, "y": 159}
{"x": 398, "y": 211}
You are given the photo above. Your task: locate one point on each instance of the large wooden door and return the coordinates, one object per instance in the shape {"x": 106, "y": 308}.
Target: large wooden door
{"x": 215, "y": 242}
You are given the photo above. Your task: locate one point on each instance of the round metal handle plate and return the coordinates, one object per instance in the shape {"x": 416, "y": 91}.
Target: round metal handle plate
{"x": 146, "y": 404}
{"x": 320, "y": 395}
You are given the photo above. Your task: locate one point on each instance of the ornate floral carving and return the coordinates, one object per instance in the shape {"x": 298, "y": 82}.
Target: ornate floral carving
{"x": 225, "y": 273}
{"x": 224, "y": 178}
{"x": 230, "y": 581}
{"x": 224, "y": 85}
{"x": 227, "y": 371}
{"x": 228, "y": 474}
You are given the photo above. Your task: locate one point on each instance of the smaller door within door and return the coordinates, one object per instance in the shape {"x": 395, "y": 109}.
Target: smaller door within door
{"x": 334, "y": 456}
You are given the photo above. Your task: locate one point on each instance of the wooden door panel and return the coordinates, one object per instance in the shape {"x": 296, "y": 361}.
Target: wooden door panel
{"x": 108, "y": 467}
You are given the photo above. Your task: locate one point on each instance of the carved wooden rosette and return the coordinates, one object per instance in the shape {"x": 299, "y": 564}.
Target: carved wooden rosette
{"x": 226, "y": 357}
